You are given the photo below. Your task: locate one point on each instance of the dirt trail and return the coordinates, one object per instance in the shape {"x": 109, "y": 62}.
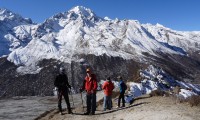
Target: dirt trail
{"x": 145, "y": 108}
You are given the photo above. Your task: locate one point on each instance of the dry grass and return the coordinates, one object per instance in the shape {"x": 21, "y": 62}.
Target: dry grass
{"x": 193, "y": 100}
{"x": 100, "y": 102}
{"x": 176, "y": 90}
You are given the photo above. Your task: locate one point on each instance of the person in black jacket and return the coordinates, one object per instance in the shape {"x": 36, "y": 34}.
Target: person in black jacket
{"x": 61, "y": 82}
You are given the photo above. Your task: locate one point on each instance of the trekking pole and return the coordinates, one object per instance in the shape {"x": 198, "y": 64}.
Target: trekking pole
{"x": 82, "y": 101}
{"x": 72, "y": 100}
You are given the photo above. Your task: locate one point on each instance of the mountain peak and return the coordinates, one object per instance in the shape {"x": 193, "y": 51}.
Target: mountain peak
{"x": 79, "y": 12}
{"x": 82, "y": 11}
{"x": 5, "y": 13}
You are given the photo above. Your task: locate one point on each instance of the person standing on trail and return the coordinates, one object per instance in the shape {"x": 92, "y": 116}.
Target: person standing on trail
{"x": 90, "y": 86}
{"x": 122, "y": 87}
{"x": 108, "y": 87}
{"x": 61, "y": 82}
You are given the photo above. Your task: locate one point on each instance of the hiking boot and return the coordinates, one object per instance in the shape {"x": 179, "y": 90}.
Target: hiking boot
{"x": 61, "y": 113}
{"x": 92, "y": 113}
{"x": 87, "y": 113}
{"x": 70, "y": 112}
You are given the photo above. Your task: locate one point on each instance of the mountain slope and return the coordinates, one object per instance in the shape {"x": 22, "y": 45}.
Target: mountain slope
{"x": 109, "y": 47}
{"x": 14, "y": 31}
{"x": 80, "y": 31}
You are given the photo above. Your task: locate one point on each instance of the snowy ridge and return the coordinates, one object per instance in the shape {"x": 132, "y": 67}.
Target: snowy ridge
{"x": 154, "y": 78}
{"x": 6, "y": 14}
{"x": 177, "y": 39}
{"x": 80, "y": 31}
{"x": 14, "y": 31}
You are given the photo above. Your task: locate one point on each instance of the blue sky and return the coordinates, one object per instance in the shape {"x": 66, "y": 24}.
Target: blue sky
{"x": 176, "y": 14}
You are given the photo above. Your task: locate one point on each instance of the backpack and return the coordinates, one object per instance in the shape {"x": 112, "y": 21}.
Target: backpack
{"x": 125, "y": 86}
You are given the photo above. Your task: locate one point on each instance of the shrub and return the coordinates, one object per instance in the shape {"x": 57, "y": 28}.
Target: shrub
{"x": 157, "y": 93}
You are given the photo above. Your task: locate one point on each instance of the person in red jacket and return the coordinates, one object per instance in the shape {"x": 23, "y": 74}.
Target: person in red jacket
{"x": 90, "y": 86}
{"x": 108, "y": 87}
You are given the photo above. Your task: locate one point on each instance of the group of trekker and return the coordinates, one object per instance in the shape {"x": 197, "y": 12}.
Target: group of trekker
{"x": 90, "y": 86}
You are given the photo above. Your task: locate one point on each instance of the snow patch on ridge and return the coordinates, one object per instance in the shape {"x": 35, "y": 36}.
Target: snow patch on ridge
{"x": 155, "y": 78}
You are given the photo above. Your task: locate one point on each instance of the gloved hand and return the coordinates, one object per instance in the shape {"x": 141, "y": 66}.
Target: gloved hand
{"x": 80, "y": 89}
{"x": 69, "y": 87}
{"x": 55, "y": 88}
{"x": 93, "y": 91}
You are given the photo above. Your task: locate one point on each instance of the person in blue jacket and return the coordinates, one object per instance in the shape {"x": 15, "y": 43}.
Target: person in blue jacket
{"x": 122, "y": 87}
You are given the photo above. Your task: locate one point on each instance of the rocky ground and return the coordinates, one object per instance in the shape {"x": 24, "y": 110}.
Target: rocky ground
{"x": 25, "y": 108}
{"x": 143, "y": 108}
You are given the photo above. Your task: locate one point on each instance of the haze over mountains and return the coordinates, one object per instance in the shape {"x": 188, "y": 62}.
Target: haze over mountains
{"x": 32, "y": 53}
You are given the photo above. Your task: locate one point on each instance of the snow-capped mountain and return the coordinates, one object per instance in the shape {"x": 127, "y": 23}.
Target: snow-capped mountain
{"x": 14, "y": 31}
{"x": 79, "y": 33}
{"x": 180, "y": 39}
